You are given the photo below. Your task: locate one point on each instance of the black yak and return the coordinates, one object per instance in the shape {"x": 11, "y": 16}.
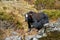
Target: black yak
{"x": 36, "y": 20}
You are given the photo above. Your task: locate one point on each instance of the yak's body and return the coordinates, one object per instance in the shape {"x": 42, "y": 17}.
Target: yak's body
{"x": 37, "y": 20}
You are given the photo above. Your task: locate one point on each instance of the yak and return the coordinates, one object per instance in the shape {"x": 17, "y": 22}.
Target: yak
{"x": 36, "y": 20}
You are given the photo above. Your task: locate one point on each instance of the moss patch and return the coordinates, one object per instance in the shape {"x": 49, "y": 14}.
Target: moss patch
{"x": 52, "y": 36}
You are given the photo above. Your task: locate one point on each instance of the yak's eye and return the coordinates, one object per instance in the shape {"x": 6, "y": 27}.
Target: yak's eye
{"x": 26, "y": 15}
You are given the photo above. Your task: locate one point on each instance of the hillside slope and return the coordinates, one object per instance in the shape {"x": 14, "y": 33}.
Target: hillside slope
{"x": 17, "y": 8}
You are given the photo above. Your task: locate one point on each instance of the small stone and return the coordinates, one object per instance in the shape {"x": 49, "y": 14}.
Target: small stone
{"x": 35, "y": 38}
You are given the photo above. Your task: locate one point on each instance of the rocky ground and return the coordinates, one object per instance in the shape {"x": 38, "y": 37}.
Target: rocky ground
{"x": 52, "y": 33}
{"x": 33, "y": 35}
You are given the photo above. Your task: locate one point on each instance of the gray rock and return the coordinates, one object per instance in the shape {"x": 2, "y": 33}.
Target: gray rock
{"x": 35, "y": 38}
{"x": 13, "y": 38}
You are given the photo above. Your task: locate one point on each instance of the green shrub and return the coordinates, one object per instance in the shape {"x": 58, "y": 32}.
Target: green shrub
{"x": 53, "y": 14}
{"x": 44, "y": 4}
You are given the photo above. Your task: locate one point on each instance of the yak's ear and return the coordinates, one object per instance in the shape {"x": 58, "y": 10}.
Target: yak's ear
{"x": 26, "y": 15}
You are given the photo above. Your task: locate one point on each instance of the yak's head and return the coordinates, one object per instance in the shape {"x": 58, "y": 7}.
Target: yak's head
{"x": 29, "y": 15}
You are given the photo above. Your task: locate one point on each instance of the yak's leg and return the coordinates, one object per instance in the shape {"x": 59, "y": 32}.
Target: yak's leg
{"x": 29, "y": 27}
{"x": 44, "y": 29}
